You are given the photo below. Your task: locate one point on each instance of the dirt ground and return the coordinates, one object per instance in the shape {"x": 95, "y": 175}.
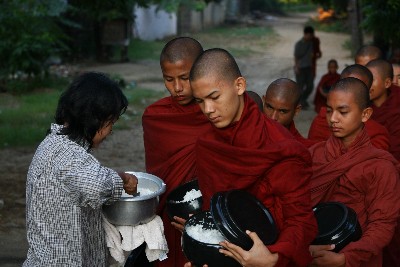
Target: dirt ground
{"x": 124, "y": 149}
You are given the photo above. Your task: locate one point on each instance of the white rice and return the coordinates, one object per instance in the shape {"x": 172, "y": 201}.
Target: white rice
{"x": 190, "y": 195}
{"x": 204, "y": 235}
{"x": 141, "y": 190}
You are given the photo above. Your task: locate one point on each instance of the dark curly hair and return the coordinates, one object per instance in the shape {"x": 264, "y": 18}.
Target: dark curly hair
{"x": 91, "y": 101}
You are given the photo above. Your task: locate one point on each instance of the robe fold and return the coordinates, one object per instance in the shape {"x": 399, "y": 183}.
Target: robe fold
{"x": 319, "y": 131}
{"x": 326, "y": 81}
{"x": 388, "y": 114}
{"x": 365, "y": 179}
{"x": 260, "y": 156}
{"x": 170, "y": 132}
{"x": 306, "y": 142}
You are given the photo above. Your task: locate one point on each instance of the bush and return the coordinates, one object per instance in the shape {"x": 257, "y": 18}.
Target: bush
{"x": 29, "y": 36}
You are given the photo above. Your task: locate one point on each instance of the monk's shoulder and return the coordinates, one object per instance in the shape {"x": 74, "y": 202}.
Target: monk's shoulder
{"x": 276, "y": 132}
{"x": 160, "y": 106}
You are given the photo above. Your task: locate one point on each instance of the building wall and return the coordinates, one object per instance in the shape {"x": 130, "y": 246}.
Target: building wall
{"x": 151, "y": 24}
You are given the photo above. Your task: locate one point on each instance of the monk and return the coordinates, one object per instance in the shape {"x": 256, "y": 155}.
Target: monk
{"x": 248, "y": 151}
{"x": 348, "y": 169}
{"x": 367, "y": 53}
{"x": 385, "y": 99}
{"x": 396, "y": 74}
{"x": 319, "y": 129}
{"x": 325, "y": 83}
{"x": 171, "y": 127}
{"x": 282, "y": 104}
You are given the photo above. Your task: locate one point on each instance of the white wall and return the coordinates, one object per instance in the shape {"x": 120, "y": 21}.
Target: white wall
{"x": 152, "y": 25}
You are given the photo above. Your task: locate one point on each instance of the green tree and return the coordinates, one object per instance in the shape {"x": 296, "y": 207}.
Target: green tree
{"x": 30, "y": 34}
{"x": 381, "y": 18}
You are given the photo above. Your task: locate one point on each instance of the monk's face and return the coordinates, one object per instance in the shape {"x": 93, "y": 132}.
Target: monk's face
{"x": 176, "y": 80}
{"x": 396, "y": 75}
{"x": 345, "y": 117}
{"x": 220, "y": 100}
{"x": 280, "y": 109}
{"x": 379, "y": 85}
{"x": 332, "y": 67}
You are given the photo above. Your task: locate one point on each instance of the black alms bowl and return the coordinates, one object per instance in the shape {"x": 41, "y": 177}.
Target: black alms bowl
{"x": 337, "y": 224}
{"x": 200, "y": 253}
{"x": 175, "y": 206}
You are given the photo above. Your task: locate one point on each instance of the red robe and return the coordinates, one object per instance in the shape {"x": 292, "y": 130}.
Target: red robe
{"x": 259, "y": 155}
{"x": 365, "y": 179}
{"x": 389, "y": 116}
{"x": 306, "y": 142}
{"x": 326, "y": 81}
{"x": 170, "y": 132}
{"x": 319, "y": 131}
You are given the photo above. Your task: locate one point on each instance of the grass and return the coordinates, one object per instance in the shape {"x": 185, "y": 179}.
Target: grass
{"x": 24, "y": 119}
{"x": 235, "y": 39}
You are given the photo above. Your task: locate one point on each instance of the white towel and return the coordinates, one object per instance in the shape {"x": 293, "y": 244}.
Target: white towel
{"x": 133, "y": 236}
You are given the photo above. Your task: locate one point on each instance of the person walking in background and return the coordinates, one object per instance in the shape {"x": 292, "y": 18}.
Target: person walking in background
{"x": 306, "y": 52}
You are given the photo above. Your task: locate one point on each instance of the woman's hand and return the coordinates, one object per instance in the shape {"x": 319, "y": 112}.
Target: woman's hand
{"x": 257, "y": 256}
{"x": 130, "y": 182}
{"x": 324, "y": 256}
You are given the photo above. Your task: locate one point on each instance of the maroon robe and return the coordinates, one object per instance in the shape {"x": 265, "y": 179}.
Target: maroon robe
{"x": 260, "y": 156}
{"x": 306, "y": 142}
{"x": 319, "y": 131}
{"x": 326, "y": 81}
{"x": 170, "y": 132}
{"x": 365, "y": 179}
{"x": 388, "y": 114}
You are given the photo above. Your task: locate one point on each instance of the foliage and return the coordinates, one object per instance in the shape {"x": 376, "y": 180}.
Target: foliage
{"x": 29, "y": 35}
{"x": 381, "y": 17}
{"x": 265, "y": 5}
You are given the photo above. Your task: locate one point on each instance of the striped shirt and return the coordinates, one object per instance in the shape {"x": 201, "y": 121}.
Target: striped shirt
{"x": 65, "y": 189}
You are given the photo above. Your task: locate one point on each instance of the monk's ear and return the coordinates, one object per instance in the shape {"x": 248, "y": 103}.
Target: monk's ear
{"x": 366, "y": 114}
{"x": 240, "y": 85}
{"x": 388, "y": 82}
{"x": 297, "y": 110}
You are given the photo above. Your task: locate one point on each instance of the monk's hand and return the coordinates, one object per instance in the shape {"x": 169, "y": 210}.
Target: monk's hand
{"x": 130, "y": 182}
{"x": 257, "y": 256}
{"x": 324, "y": 256}
{"x": 189, "y": 264}
{"x": 178, "y": 223}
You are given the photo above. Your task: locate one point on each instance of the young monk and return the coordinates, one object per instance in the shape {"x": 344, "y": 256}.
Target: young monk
{"x": 171, "y": 127}
{"x": 386, "y": 102}
{"x": 282, "y": 104}
{"x": 348, "y": 169}
{"x": 246, "y": 150}
{"x": 396, "y": 74}
{"x": 367, "y": 53}
{"x": 325, "y": 83}
{"x": 319, "y": 129}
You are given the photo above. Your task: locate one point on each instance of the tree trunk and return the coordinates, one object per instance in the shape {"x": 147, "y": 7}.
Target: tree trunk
{"x": 354, "y": 21}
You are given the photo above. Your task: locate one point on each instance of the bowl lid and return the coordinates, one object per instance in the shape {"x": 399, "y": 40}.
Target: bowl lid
{"x": 332, "y": 218}
{"x": 236, "y": 211}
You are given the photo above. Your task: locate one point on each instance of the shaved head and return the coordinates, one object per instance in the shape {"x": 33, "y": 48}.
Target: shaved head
{"x": 217, "y": 63}
{"x": 181, "y": 48}
{"x": 360, "y": 72}
{"x": 367, "y": 53}
{"x": 383, "y": 67}
{"x": 355, "y": 87}
{"x": 286, "y": 89}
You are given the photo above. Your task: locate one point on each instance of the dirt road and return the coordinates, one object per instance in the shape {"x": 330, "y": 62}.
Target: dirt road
{"x": 124, "y": 150}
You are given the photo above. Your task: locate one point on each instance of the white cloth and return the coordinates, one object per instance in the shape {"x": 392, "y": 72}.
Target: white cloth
{"x": 133, "y": 236}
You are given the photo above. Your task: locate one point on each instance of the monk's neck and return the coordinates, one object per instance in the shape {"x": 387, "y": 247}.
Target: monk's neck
{"x": 347, "y": 141}
{"x": 380, "y": 100}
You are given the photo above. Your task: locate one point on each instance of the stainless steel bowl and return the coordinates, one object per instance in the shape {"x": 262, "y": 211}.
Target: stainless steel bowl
{"x": 139, "y": 209}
